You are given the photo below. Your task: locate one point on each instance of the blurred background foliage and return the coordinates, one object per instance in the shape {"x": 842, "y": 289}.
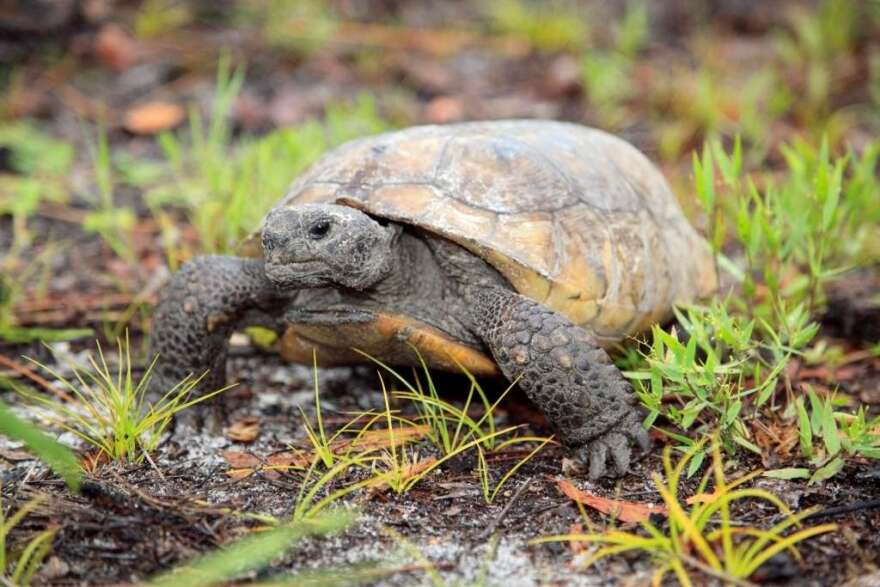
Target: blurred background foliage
{"x": 168, "y": 127}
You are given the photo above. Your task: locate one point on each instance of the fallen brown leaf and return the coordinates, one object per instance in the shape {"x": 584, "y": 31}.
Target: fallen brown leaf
{"x": 115, "y": 48}
{"x": 245, "y": 430}
{"x": 16, "y": 456}
{"x": 625, "y": 511}
{"x": 240, "y": 459}
{"x": 378, "y": 439}
{"x": 153, "y": 118}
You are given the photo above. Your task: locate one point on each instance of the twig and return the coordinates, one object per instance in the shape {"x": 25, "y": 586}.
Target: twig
{"x": 500, "y": 518}
{"x": 28, "y": 373}
{"x": 155, "y": 468}
{"x": 844, "y": 509}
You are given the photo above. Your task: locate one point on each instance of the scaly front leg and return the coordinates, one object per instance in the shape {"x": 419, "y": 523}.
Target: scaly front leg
{"x": 565, "y": 373}
{"x": 198, "y": 310}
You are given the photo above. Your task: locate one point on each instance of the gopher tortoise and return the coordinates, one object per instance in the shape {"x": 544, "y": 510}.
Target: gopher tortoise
{"x": 521, "y": 248}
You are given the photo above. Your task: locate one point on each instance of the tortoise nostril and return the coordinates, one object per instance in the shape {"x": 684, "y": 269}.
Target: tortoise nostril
{"x": 270, "y": 241}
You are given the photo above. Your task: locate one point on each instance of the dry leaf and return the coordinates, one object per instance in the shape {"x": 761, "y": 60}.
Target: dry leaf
{"x": 240, "y": 459}
{"x": 378, "y": 439}
{"x": 153, "y": 117}
{"x": 16, "y": 456}
{"x": 245, "y": 430}
{"x": 283, "y": 461}
{"x": 115, "y": 48}
{"x": 243, "y": 464}
{"x": 625, "y": 511}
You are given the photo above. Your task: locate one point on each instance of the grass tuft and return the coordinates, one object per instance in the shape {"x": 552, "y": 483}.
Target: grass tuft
{"x": 110, "y": 411}
{"x": 29, "y": 559}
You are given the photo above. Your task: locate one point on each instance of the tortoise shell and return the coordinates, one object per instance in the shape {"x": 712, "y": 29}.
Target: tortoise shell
{"x": 573, "y": 217}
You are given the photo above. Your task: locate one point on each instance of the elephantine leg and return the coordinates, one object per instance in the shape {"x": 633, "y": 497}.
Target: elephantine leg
{"x": 198, "y": 310}
{"x": 565, "y": 373}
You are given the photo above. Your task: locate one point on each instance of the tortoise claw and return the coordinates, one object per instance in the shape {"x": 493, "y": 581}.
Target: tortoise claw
{"x": 617, "y": 444}
{"x": 598, "y": 455}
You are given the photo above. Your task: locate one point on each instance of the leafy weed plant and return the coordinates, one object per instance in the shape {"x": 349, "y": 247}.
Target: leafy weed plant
{"x": 721, "y": 375}
{"x": 826, "y": 436}
{"x": 701, "y": 535}
{"x": 794, "y": 236}
{"x": 551, "y": 28}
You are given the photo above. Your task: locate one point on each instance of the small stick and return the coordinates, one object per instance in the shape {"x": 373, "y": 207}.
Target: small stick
{"x": 28, "y": 373}
{"x": 844, "y": 509}
{"x": 497, "y": 521}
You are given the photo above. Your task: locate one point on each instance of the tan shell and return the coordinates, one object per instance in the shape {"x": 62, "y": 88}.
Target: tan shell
{"x": 573, "y": 217}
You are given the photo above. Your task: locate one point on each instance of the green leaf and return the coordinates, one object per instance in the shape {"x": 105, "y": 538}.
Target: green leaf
{"x": 805, "y": 430}
{"x": 732, "y": 412}
{"x": 815, "y": 409}
{"x": 829, "y": 430}
{"x": 788, "y": 473}
{"x": 21, "y": 335}
{"x": 250, "y": 553}
{"x": 828, "y": 471}
{"x": 747, "y": 444}
{"x": 59, "y": 458}
{"x": 696, "y": 463}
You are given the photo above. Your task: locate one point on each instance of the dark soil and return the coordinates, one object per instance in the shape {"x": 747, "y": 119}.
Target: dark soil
{"x": 134, "y": 520}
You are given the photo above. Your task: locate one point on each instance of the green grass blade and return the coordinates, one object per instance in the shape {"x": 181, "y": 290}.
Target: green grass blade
{"x": 58, "y": 457}
{"x": 250, "y": 553}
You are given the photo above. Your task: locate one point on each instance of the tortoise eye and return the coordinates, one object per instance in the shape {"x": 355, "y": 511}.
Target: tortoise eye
{"x": 319, "y": 229}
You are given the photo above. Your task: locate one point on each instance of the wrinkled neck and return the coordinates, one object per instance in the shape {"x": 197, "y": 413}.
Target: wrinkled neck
{"x": 414, "y": 272}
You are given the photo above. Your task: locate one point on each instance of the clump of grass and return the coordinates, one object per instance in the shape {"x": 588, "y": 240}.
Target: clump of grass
{"x": 607, "y": 74}
{"x": 111, "y": 411}
{"x": 25, "y": 563}
{"x": 378, "y": 448}
{"x": 450, "y": 426}
{"x": 557, "y": 26}
{"x": 112, "y": 222}
{"x": 701, "y": 536}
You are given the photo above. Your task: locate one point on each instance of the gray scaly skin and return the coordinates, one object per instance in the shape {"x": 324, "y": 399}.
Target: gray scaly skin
{"x": 204, "y": 303}
{"x": 564, "y": 371}
{"x": 337, "y": 263}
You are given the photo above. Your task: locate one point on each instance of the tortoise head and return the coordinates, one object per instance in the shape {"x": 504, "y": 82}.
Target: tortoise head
{"x": 315, "y": 245}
